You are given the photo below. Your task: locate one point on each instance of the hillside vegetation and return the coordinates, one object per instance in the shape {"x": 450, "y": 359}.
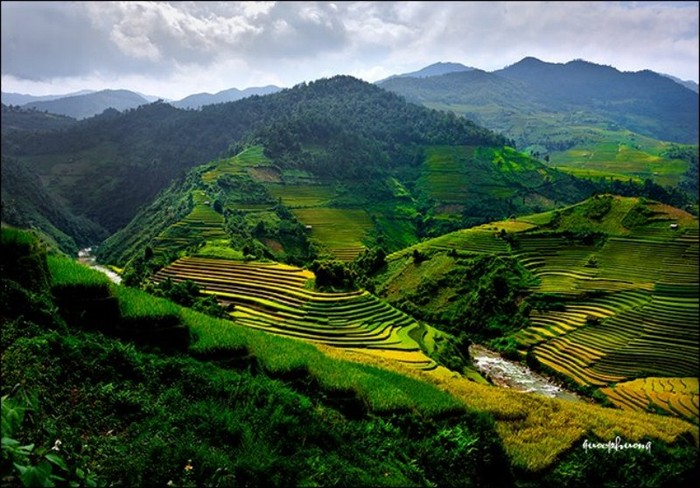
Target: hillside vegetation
{"x": 601, "y": 293}
{"x": 266, "y": 206}
{"x": 588, "y": 120}
{"x": 125, "y": 398}
{"x": 109, "y": 166}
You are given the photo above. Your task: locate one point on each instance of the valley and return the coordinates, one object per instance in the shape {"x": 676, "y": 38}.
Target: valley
{"x": 308, "y": 278}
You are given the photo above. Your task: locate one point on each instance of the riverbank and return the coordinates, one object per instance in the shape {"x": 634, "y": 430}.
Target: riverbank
{"x": 510, "y": 374}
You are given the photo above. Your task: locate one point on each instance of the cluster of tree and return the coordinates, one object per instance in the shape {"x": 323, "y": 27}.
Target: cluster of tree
{"x": 486, "y": 293}
{"x": 188, "y": 294}
{"x": 336, "y": 275}
{"x": 15, "y": 118}
{"x": 688, "y": 154}
{"x": 675, "y": 197}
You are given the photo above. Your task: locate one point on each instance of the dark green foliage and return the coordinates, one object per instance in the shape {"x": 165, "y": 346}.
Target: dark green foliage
{"x": 23, "y": 259}
{"x": 598, "y": 207}
{"x": 647, "y": 189}
{"x": 637, "y": 216}
{"x": 130, "y": 157}
{"x": 171, "y": 205}
{"x": 418, "y": 257}
{"x": 688, "y": 154}
{"x": 27, "y": 203}
{"x": 15, "y": 118}
{"x": 188, "y": 294}
{"x": 662, "y": 466}
{"x": 334, "y": 275}
{"x": 483, "y": 296}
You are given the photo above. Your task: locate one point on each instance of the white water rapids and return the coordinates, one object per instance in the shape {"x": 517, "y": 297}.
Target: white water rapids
{"x": 509, "y": 374}
{"x": 85, "y": 256}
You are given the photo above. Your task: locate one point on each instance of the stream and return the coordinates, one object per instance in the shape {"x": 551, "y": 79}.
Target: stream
{"x": 85, "y": 256}
{"x": 510, "y": 374}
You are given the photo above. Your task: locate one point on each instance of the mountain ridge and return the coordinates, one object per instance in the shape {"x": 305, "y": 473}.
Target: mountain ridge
{"x": 90, "y": 104}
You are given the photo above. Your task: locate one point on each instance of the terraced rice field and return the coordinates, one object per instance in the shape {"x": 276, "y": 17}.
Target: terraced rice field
{"x": 302, "y": 196}
{"x": 273, "y": 297}
{"x": 678, "y": 396}
{"x": 475, "y": 240}
{"x": 632, "y": 314}
{"x": 202, "y": 224}
{"x": 253, "y": 156}
{"x": 627, "y": 306}
{"x": 340, "y": 230}
{"x": 446, "y": 177}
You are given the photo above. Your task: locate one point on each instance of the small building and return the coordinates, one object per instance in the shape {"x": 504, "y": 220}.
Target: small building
{"x": 673, "y": 226}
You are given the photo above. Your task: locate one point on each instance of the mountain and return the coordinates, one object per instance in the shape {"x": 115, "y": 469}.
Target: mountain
{"x": 26, "y": 203}
{"x": 22, "y": 99}
{"x": 691, "y": 85}
{"x": 90, "y": 104}
{"x": 642, "y": 102}
{"x": 231, "y": 95}
{"x": 436, "y": 69}
{"x": 551, "y": 95}
{"x": 109, "y": 166}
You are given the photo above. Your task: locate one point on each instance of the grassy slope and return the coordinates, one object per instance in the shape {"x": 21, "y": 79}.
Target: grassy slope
{"x": 138, "y": 414}
{"x": 343, "y": 216}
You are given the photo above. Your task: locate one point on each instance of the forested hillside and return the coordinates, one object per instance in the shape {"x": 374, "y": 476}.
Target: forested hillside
{"x": 27, "y": 204}
{"x": 590, "y": 121}
{"x": 130, "y": 157}
{"x": 15, "y": 118}
{"x": 526, "y": 97}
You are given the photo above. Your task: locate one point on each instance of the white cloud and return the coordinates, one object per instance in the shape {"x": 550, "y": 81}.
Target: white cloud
{"x": 182, "y": 47}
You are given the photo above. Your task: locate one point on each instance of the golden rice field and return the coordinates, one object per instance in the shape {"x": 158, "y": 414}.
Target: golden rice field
{"x": 275, "y": 298}
{"x": 527, "y": 422}
{"x": 678, "y": 396}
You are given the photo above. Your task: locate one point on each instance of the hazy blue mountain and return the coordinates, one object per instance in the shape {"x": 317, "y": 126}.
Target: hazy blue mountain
{"x": 87, "y": 105}
{"x": 231, "y": 95}
{"x": 9, "y": 98}
{"x": 686, "y": 83}
{"x": 436, "y": 69}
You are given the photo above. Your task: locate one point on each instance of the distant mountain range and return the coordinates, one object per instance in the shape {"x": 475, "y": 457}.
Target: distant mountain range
{"x": 87, "y": 103}
{"x": 231, "y": 95}
{"x": 436, "y": 69}
{"x": 532, "y": 100}
{"x": 22, "y": 99}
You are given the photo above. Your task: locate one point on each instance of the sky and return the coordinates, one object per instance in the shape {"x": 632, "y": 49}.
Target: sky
{"x": 174, "y": 49}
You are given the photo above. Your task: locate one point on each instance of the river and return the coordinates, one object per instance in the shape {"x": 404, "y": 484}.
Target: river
{"x": 85, "y": 256}
{"x": 510, "y": 374}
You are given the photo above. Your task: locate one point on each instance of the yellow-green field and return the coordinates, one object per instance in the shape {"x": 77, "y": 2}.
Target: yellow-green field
{"x": 275, "y": 298}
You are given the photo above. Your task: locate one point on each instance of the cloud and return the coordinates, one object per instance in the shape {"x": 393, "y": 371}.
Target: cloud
{"x": 225, "y": 44}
